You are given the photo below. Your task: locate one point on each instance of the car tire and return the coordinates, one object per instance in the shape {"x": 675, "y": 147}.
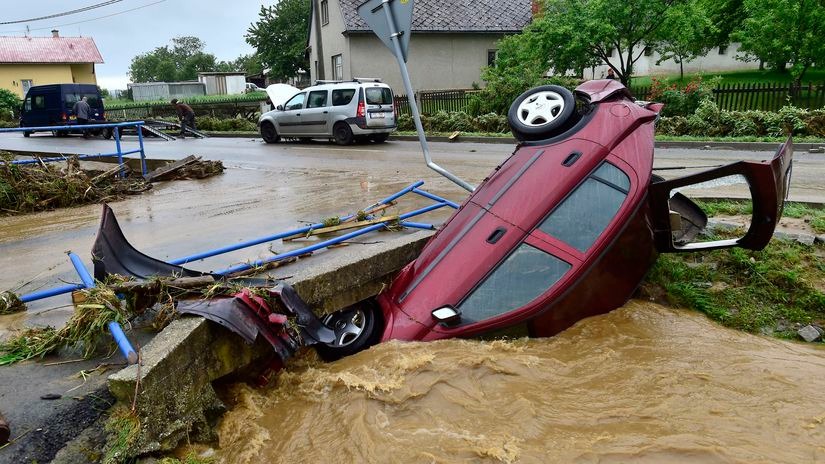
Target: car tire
{"x": 268, "y": 132}
{"x": 108, "y": 133}
{"x": 380, "y": 138}
{"x": 356, "y": 328}
{"x": 27, "y": 133}
{"x": 342, "y": 134}
{"x": 541, "y": 113}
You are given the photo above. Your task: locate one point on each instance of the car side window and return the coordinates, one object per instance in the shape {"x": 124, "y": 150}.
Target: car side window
{"x": 585, "y": 213}
{"x": 342, "y": 97}
{"x": 522, "y": 277}
{"x": 295, "y": 103}
{"x": 317, "y": 99}
{"x": 69, "y": 100}
{"x": 39, "y": 102}
{"x": 28, "y": 104}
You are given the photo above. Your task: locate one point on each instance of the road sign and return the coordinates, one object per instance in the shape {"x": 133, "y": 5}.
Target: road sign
{"x": 379, "y": 21}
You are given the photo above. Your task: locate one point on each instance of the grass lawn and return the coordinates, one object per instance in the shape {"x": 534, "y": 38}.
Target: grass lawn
{"x": 815, "y": 75}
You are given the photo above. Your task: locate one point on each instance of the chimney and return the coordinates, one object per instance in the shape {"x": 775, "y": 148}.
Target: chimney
{"x": 55, "y": 33}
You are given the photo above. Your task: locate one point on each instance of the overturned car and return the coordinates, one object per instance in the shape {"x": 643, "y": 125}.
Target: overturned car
{"x": 565, "y": 228}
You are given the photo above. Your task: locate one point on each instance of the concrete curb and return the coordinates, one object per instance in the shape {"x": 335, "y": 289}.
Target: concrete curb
{"x": 176, "y": 399}
{"x": 686, "y": 144}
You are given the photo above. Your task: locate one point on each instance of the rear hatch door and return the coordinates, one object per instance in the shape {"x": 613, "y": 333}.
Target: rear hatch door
{"x": 380, "y": 107}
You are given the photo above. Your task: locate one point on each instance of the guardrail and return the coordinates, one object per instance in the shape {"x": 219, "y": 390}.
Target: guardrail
{"x": 120, "y": 153}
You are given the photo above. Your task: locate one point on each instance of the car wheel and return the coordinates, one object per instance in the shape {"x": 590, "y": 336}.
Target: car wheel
{"x": 541, "y": 112}
{"x": 356, "y": 328}
{"x": 108, "y": 133}
{"x": 380, "y": 138}
{"x": 342, "y": 133}
{"x": 27, "y": 133}
{"x": 268, "y": 132}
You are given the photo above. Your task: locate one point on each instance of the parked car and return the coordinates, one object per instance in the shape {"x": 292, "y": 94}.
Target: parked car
{"x": 362, "y": 109}
{"x": 51, "y": 105}
{"x": 252, "y": 87}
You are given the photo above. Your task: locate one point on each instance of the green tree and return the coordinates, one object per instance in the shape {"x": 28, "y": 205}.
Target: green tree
{"x": 781, "y": 32}
{"x": 726, "y": 16}
{"x": 686, "y": 34}
{"x": 180, "y": 62}
{"x": 571, "y": 35}
{"x": 280, "y": 37}
{"x": 9, "y": 104}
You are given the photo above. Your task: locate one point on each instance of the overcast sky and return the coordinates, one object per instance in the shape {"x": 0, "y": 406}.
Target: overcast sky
{"x": 120, "y": 37}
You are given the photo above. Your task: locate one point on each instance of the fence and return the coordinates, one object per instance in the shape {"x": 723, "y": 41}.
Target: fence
{"x": 229, "y": 108}
{"x": 430, "y": 102}
{"x": 765, "y": 96}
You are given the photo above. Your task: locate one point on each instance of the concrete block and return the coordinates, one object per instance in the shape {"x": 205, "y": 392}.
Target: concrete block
{"x": 805, "y": 239}
{"x": 175, "y": 398}
{"x": 809, "y": 333}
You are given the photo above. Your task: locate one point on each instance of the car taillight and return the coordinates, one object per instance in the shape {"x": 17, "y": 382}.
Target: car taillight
{"x": 63, "y": 116}
{"x": 362, "y": 110}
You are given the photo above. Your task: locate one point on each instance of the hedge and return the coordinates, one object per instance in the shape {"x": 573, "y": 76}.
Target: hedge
{"x": 443, "y": 121}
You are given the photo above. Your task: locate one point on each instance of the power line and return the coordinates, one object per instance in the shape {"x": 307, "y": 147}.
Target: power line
{"x": 86, "y": 20}
{"x": 65, "y": 13}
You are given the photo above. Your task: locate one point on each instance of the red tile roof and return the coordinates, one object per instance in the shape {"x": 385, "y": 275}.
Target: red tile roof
{"x": 49, "y": 50}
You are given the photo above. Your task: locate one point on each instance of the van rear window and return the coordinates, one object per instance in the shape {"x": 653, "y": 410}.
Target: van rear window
{"x": 379, "y": 96}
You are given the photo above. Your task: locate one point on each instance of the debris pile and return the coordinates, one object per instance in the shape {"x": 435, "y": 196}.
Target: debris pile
{"x": 39, "y": 187}
{"x": 10, "y": 303}
{"x": 191, "y": 167}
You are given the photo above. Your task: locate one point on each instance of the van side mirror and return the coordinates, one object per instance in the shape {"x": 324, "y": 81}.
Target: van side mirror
{"x": 447, "y": 315}
{"x": 280, "y": 108}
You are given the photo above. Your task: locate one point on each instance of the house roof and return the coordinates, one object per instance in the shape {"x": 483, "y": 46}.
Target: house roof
{"x": 453, "y": 15}
{"x": 49, "y": 50}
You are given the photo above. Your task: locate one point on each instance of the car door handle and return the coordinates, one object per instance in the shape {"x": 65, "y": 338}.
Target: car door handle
{"x": 298, "y": 114}
{"x": 326, "y": 112}
{"x": 496, "y": 235}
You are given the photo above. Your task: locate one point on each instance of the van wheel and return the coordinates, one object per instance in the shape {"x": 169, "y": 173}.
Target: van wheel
{"x": 380, "y": 138}
{"x": 356, "y": 328}
{"x": 541, "y": 112}
{"x": 108, "y": 133}
{"x": 342, "y": 133}
{"x": 268, "y": 132}
{"x": 27, "y": 133}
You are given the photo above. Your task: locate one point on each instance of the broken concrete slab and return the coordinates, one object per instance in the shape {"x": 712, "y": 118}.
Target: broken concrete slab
{"x": 805, "y": 239}
{"x": 175, "y": 397}
{"x": 809, "y": 333}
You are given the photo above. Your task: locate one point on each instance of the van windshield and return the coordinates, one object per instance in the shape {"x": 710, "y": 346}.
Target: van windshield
{"x": 379, "y": 96}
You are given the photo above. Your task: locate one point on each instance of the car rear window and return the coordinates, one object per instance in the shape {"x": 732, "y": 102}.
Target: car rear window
{"x": 342, "y": 97}
{"x": 379, "y": 96}
{"x": 583, "y": 216}
{"x": 522, "y": 277}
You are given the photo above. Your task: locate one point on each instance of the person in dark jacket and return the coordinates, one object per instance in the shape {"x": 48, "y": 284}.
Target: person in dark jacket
{"x": 81, "y": 110}
{"x": 186, "y": 116}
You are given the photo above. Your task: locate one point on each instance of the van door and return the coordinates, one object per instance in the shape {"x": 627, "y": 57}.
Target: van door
{"x": 35, "y": 111}
{"x": 289, "y": 120}
{"x": 380, "y": 107}
{"x": 314, "y": 119}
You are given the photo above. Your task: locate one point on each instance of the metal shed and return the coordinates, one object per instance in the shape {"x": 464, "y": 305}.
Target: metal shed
{"x": 166, "y": 90}
{"x": 223, "y": 83}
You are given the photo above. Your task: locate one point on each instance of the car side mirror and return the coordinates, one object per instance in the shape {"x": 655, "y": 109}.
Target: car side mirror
{"x": 447, "y": 316}
{"x": 280, "y": 107}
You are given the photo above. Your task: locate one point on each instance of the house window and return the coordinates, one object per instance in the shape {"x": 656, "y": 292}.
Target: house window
{"x": 612, "y": 52}
{"x": 491, "y": 57}
{"x": 601, "y": 195}
{"x": 338, "y": 68}
{"x": 26, "y": 84}
{"x": 648, "y": 51}
{"x": 723, "y": 50}
{"x": 324, "y": 12}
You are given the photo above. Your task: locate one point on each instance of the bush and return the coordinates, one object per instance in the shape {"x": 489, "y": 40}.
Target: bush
{"x": 708, "y": 120}
{"x": 457, "y": 121}
{"x": 208, "y": 123}
{"x": 9, "y": 105}
{"x": 680, "y": 101}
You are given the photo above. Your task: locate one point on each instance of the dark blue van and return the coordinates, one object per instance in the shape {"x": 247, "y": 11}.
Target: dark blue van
{"x": 51, "y": 105}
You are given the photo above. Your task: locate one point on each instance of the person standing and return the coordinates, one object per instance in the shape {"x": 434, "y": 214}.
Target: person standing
{"x": 611, "y": 74}
{"x": 186, "y": 116}
{"x": 82, "y": 110}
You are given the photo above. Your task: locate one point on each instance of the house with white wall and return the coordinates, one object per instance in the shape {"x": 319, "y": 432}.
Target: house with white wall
{"x": 451, "y": 42}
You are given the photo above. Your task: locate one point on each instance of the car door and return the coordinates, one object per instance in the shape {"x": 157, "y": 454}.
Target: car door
{"x": 289, "y": 120}
{"x": 315, "y": 118}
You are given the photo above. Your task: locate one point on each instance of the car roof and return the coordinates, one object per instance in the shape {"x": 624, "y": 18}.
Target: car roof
{"x": 345, "y": 85}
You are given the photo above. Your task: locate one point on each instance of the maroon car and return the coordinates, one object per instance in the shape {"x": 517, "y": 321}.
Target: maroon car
{"x": 564, "y": 229}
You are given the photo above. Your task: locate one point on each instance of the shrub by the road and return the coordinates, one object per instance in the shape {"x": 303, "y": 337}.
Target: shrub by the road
{"x": 209, "y": 123}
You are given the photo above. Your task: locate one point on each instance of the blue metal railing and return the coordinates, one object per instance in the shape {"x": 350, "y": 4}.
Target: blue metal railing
{"x": 120, "y": 153}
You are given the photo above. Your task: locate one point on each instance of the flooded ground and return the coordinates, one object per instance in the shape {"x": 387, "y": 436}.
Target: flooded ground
{"x": 642, "y": 384}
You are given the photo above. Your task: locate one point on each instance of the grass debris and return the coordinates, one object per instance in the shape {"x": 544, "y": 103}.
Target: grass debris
{"x": 44, "y": 186}
{"x": 123, "y": 430}
{"x": 774, "y": 291}
{"x": 813, "y": 215}
{"x": 10, "y": 303}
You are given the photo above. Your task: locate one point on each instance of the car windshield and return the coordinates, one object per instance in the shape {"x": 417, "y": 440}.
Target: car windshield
{"x": 379, "y": 96}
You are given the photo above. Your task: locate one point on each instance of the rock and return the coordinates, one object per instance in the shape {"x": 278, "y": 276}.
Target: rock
{"x": 820, "y": 239}
{"x": 805, "y": 239}
{"x": 809, "y": 333}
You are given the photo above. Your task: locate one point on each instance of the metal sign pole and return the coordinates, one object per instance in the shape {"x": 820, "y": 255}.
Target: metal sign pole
{"x": 405, "y": 76}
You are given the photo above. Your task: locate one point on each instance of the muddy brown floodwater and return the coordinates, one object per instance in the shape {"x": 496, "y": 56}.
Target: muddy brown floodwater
{"x": 642, "y": 384}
